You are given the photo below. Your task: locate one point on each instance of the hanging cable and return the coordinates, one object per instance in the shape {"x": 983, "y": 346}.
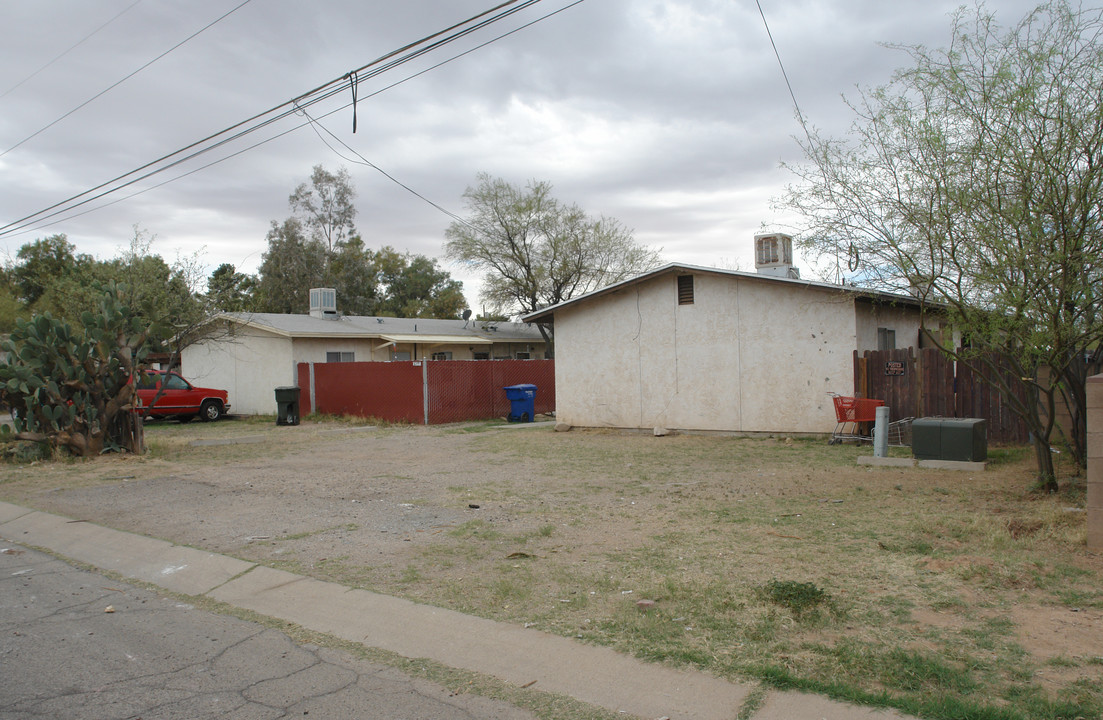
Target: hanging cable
{"x": 311, "y": 97}
{"x": 353, "y": 82}
{"x": 34, "y": 221}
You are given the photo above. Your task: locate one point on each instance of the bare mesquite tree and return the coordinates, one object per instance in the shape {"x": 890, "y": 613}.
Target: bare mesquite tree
{"x": 537, "y": 251}
{"x": 974, "y": 180}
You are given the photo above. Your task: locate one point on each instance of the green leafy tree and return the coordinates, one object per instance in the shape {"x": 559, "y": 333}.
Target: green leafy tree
{"x": 536, "y": 251}
{"x": 43, "y": 263}
{"x": 974, "y": 180}
{"x": 11, "y": 307}
{"x": 161, "y": 295}
{"x": 70, "y": 388}
{"x": 291, "y": 266}
{"x": 416, "y": 287}
{"x": 354, "y": 274}
{"x": 319, "y": 247}
{"x": 229, "y": 290}
{"x": 325, "y": 207}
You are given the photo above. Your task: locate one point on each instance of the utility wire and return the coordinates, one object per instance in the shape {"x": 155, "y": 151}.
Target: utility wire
{"x": 114, "y": 85}
{"x": 804, "y": 126}
{"x": 311, "y": 97}
{"x": 69, "y": 49}
{"x": 315, "y": 124}
{"x": 785, "y": 75}
{"x": 24, "y": 224}
{"x": 364, "y": 161}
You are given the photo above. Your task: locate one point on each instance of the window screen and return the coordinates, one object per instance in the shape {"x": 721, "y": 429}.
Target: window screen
{"x": 340, "y": 357}
{"x": 767, "y": 251}
{"x": 886, "y": 339}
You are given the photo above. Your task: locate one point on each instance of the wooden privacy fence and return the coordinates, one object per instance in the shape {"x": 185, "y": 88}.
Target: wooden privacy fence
{"x": 423, "y": 391}
{"x": 925, "y": 383}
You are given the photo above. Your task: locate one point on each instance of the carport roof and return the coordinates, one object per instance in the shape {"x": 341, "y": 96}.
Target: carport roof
{"x": 398, "y": 330}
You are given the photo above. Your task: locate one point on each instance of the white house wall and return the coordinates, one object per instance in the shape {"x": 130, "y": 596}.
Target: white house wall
{"x": 872, "y": 316}
{"x": 746, "y": 356}
{"x": 250, "y": 365}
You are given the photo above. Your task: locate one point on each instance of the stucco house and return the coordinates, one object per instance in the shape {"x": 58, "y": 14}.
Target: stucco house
{"x": 705, "y": 349}
{"x": 251, "y": 354}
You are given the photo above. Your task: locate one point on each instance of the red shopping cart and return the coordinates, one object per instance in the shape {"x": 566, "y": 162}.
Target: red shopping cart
{"x": 854, "y": 418}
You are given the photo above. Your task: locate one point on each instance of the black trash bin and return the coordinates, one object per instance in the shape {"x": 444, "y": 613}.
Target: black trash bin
{"x": 522, "y": 402}
{"x": 287, "y": 404}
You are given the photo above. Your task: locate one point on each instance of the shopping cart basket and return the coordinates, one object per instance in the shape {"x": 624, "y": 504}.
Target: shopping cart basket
{"x": 853, "y": 417}
{"x": 900, "y": 432}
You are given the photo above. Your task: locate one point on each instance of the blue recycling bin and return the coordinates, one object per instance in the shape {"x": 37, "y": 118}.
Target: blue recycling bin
{"x": 522, "y": 402}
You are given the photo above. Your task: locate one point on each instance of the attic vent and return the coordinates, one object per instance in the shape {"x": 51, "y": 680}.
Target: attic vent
{"x": 323, "y": 303}
{"x": 685, "y": 289}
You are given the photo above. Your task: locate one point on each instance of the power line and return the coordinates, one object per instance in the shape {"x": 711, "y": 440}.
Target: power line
{"x": 114, "y": 85}
{"x": 785, "y": 75}
{"x": 315, "y": 124}
{"x": 331, "y": 88}
{"x": 364, "y": 161}
{"x": 69, "y": 49}
{"x": 804, "y": 126}
{"x": 310, "y": 97}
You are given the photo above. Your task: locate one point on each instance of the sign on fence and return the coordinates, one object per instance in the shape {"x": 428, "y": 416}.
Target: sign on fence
{"x": 894, "y": 368}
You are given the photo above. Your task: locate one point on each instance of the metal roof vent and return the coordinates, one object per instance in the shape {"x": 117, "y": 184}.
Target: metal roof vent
{"x": 323, "y": 303}
{"x": 773, "y": 255}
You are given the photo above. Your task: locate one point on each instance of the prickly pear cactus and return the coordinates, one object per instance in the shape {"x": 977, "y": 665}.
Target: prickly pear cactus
{"x": 71, "y": 388}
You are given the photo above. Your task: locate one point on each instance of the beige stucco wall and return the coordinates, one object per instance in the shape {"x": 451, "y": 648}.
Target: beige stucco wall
{"x": 746, "y": 356}
{"x": 870, "y": 317}
{"x": 249, "y": 365}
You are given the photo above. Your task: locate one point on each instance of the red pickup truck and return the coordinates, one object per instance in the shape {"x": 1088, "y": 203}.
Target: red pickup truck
{"x": 179, "y": 399}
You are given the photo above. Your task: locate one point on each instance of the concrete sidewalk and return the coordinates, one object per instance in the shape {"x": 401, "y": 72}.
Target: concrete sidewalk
{"x": 525, "y": 657}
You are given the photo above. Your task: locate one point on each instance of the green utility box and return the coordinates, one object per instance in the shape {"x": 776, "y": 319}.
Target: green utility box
{"x": 960, "y": 439}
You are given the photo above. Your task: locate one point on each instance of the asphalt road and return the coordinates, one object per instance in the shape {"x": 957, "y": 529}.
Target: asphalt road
{"x": 75, "y": 644}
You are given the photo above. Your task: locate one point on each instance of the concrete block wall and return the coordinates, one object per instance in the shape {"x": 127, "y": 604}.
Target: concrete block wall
{"x": 1095, "y": 462}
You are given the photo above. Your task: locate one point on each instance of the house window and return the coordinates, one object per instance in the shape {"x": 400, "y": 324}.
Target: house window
{"x": 521, "y": 356}
{"x": 482, "y": 356}
{"x": 685, "y": 289}
{"x": 340, "y": 357}
{"x": 886, "y": 339}
{"x": 444, "y": 355}
{"x": 400, "y": 355}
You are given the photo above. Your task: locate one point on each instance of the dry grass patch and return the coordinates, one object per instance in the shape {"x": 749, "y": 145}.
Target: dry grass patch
{"x": 944, "y": 594}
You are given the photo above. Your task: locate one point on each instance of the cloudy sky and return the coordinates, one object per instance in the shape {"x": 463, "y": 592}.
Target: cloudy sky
{"x": 669, "y": 115}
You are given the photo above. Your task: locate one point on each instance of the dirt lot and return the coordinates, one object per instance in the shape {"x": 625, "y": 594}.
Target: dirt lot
{"x": 931, "y": 576}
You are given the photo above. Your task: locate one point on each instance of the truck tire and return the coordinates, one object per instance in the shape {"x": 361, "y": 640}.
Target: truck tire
{"x": 210, "y": 410}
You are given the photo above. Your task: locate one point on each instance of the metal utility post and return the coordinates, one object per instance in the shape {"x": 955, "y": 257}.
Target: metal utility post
{"x": 881, "y": 433}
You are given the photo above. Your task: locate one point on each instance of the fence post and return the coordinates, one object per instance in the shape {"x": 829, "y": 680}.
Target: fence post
{"x": 425, "y": 387}
{"x": 861, "y": 374}
{"x": 310, "y": 369}
{"x": 1095, "y": 462}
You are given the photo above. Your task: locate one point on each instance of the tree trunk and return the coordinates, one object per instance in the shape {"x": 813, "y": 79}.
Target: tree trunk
{"x": 1047, "y": 478}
